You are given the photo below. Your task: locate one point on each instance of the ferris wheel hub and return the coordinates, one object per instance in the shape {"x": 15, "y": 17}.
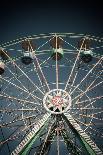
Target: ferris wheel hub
{"x": 57, "y": 101}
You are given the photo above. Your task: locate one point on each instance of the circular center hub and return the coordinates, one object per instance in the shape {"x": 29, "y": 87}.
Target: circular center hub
{"x": 57, "y": 101}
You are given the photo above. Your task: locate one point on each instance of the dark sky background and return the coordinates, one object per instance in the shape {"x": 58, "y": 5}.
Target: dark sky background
{"x": 22, "y": 18}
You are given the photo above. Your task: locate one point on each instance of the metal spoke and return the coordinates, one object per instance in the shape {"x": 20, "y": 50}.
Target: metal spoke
{"x": 89, "y": 116}
{"x": 11, "y": 110}
{"x": 15, "y": 136}
{"x": 56, "y": 65}
{"x": 38, "y": 65}
{"x": 17, "y": 99}
{"x": 94, "y": 98}
{"x": 18, "y": 87}
{"x": 74, "y": 62}
{"x": 40, "y": 80}
{"x": 13, "y": 62}
{"x": 29, "y": 93}
{"x": 86, "y": 108}
{"x": 88, "y": 89}
{"x": 87, "y": 74}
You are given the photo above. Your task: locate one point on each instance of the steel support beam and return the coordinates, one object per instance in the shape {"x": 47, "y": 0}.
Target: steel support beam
{"x": 27, "y": 142}
{"x": 89, "y": 145}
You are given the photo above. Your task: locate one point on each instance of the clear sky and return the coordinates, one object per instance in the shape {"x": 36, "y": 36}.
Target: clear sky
{"x": 22, "y": 18}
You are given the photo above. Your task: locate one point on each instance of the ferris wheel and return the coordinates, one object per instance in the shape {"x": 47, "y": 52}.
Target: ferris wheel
{"x": 51, "y": 95}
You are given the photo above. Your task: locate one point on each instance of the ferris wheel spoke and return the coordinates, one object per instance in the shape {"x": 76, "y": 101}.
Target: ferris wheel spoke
{"x": 87, "y": 74}
{"x": 95, "y": 113}
{"x": 43, "y": 61}
{"x": 99, "y": 83}
{"x": 36, "y": 69}
{"x": 37, "y": 64}
{"x": 4, "y": 95}
{"x": 90, "y": 116}
{"x": 74, "y": 62}
{"x": 21, "y": 119}
{"x": 87, "y": 90}
{"x": 29, "y": 93}
{"x": 73, "y": 81}
{"x": 57, "y": 79}
{"x": 74, "y": 47}
{"x": 12, "y": 79}
{"x": 13, "y": 62}
{"x": 86, "y": 107}
{"x": 16, "y": 119}
{"x": 11, "y": 110}
{"x": 11, "y": 136}
{"x": 94, "y": 98}
{"x": 32, "y": 92}
{"x": 89, "y": 99}
{"x": 77, "y": 103}
{"x": 16, "y": 136}
{"x": 8, "y": 81}
{"x": 10, "y": 113}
